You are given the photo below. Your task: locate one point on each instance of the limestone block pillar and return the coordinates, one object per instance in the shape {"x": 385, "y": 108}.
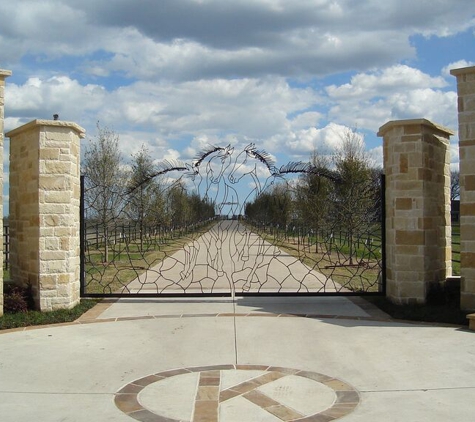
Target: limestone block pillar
{"x": 44, "y": 210}
{"x": 466, "y": 115}
{"x": 3, "y": 75}
{"x": 418, "y": 226}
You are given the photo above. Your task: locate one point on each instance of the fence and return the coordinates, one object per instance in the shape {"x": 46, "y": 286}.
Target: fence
{"x": 94, "y": 236}
{"x": 456, "y": 248}
{"x": 6, "y": 248}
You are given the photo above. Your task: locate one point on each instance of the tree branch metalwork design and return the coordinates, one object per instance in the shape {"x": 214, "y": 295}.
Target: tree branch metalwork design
{"x": 231, "y": 222}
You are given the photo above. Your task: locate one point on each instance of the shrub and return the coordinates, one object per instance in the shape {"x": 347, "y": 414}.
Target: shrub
{"x": 17, "y": 299}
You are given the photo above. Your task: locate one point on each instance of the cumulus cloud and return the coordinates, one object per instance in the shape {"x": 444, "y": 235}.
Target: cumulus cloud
{"x": 456, "y": 65}
{"x": 178, "y": 120}
{"x": 263, "y": 22}
{"x": 181, "y": 75}
{"x": 301, "y": 144}
{"x": 398, "y": 92}
{"x": 384, "y": 82}
{"x": 190, "y": 115}
{"x": 254, "y": 108}
{"x": 306, "y": 119}
{"x": 191, "y": 40}
{"x": 38, "y": 98}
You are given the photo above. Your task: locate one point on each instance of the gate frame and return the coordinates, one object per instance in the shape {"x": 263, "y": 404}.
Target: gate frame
{"x": 382, "y": 285}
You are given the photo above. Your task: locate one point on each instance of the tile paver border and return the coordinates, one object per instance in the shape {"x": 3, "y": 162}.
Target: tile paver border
{"x": 94, "y": 320}
{"x": 92, "y": 317}
{"x": 347, "y": 398}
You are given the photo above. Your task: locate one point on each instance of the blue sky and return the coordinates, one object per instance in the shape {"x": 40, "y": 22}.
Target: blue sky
{"x": 178, "y": 75}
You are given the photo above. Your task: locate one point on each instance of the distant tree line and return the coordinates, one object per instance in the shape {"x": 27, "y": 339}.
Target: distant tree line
{"x": 350, "y": 201}
{"x": 120, "y": 192}
{"x": 117, "y": 192}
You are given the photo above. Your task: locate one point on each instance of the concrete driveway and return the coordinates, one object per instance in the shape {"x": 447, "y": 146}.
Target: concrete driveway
{"x": 230, "y": 257}
{"x": 252, "y": 359}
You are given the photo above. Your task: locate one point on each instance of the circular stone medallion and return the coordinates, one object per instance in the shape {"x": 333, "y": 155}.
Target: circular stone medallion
{"x": 237, "y": 393}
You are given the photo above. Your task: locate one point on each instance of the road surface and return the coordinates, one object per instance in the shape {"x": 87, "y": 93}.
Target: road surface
{"x": 230, "y": 258}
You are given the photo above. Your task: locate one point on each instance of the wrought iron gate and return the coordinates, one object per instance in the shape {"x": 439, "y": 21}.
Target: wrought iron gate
{"x": 231, "y": 223}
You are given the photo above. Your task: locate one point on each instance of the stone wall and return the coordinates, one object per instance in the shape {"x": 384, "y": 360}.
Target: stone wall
{"x": 466, "y": 115}
{"x": 418, "y": 226}
{"x": 44, "y": 211}
{"x": 3, "y": 74}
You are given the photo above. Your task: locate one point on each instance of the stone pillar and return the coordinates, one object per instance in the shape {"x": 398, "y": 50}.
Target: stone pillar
{"x": 418, "y": 226}
{"x": 466, "y": 114}
{"x": 44, "y": 211}
{"x": 3, "y": 75}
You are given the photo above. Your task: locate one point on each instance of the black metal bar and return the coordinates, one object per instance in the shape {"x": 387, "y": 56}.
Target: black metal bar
{"x": 157, "y": 295}
{"x": 383, "y": 234}
{"x": 82, "y": 234}
{"x": 228, "y": 294}
{"x": 6, "y": 247}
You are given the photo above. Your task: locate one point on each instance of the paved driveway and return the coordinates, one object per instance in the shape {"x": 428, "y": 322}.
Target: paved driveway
{"x": 230, "y": 257}
{"x": 251, "y": 359}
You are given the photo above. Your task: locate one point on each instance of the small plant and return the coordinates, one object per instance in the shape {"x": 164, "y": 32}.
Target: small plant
{"x": 15, "y": 300}
{"x": 28, "y": 318}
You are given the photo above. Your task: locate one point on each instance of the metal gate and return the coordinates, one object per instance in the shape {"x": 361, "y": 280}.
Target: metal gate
{"x": 231, "y": 223}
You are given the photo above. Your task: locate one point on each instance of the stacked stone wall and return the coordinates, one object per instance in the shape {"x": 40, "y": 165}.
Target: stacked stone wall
{"x": 44, "y": 211}
{"x": 466, "y": 116}
{"x": 418, "y": 227}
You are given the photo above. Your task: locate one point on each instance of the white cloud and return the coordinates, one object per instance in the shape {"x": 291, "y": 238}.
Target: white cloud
{"x": 253, "y": 108}
{"x": 206, "y": 112}
{"x": 428, "y": 103}
{"x": 376, "y": 156}
{"x": 11, "y": 123}
{"x": 454, "y": 156}
{"x": 190, "y": 40}
{"x": 46, "y": 29}
{"x": 192, "y": 73}
{"x": 300, "y": 144}
{"x": 398, "y": 92}
{"x": 306, "y": 119}
{"x": 456, "y": 65}
{"x": 383, "y": 82}
{"x": 38, "y": 98}
{"x": 178, "y": 120}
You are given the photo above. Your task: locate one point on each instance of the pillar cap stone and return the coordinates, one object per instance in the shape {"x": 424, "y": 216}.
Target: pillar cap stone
{"x": 5, "y": 73}
{"x": 413, "y": 122}
{"x": 462, "y": 71}
{"x": 51, "y": 123}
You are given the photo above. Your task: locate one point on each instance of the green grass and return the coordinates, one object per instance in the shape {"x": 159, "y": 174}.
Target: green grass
{"x": 334, "y": 263}
{"x": 29, "y": 318}
{"x": 446, "y": 310}
{"x": 129, "y": 261}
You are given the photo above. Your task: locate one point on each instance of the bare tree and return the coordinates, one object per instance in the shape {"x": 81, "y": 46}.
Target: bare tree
{"x": 454, "y": 185}
{"x": 104, "y": 181}
{"x": 312, "y": 194}
{"x": 143, "y": 198}
{"x": 354, "y": 202}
